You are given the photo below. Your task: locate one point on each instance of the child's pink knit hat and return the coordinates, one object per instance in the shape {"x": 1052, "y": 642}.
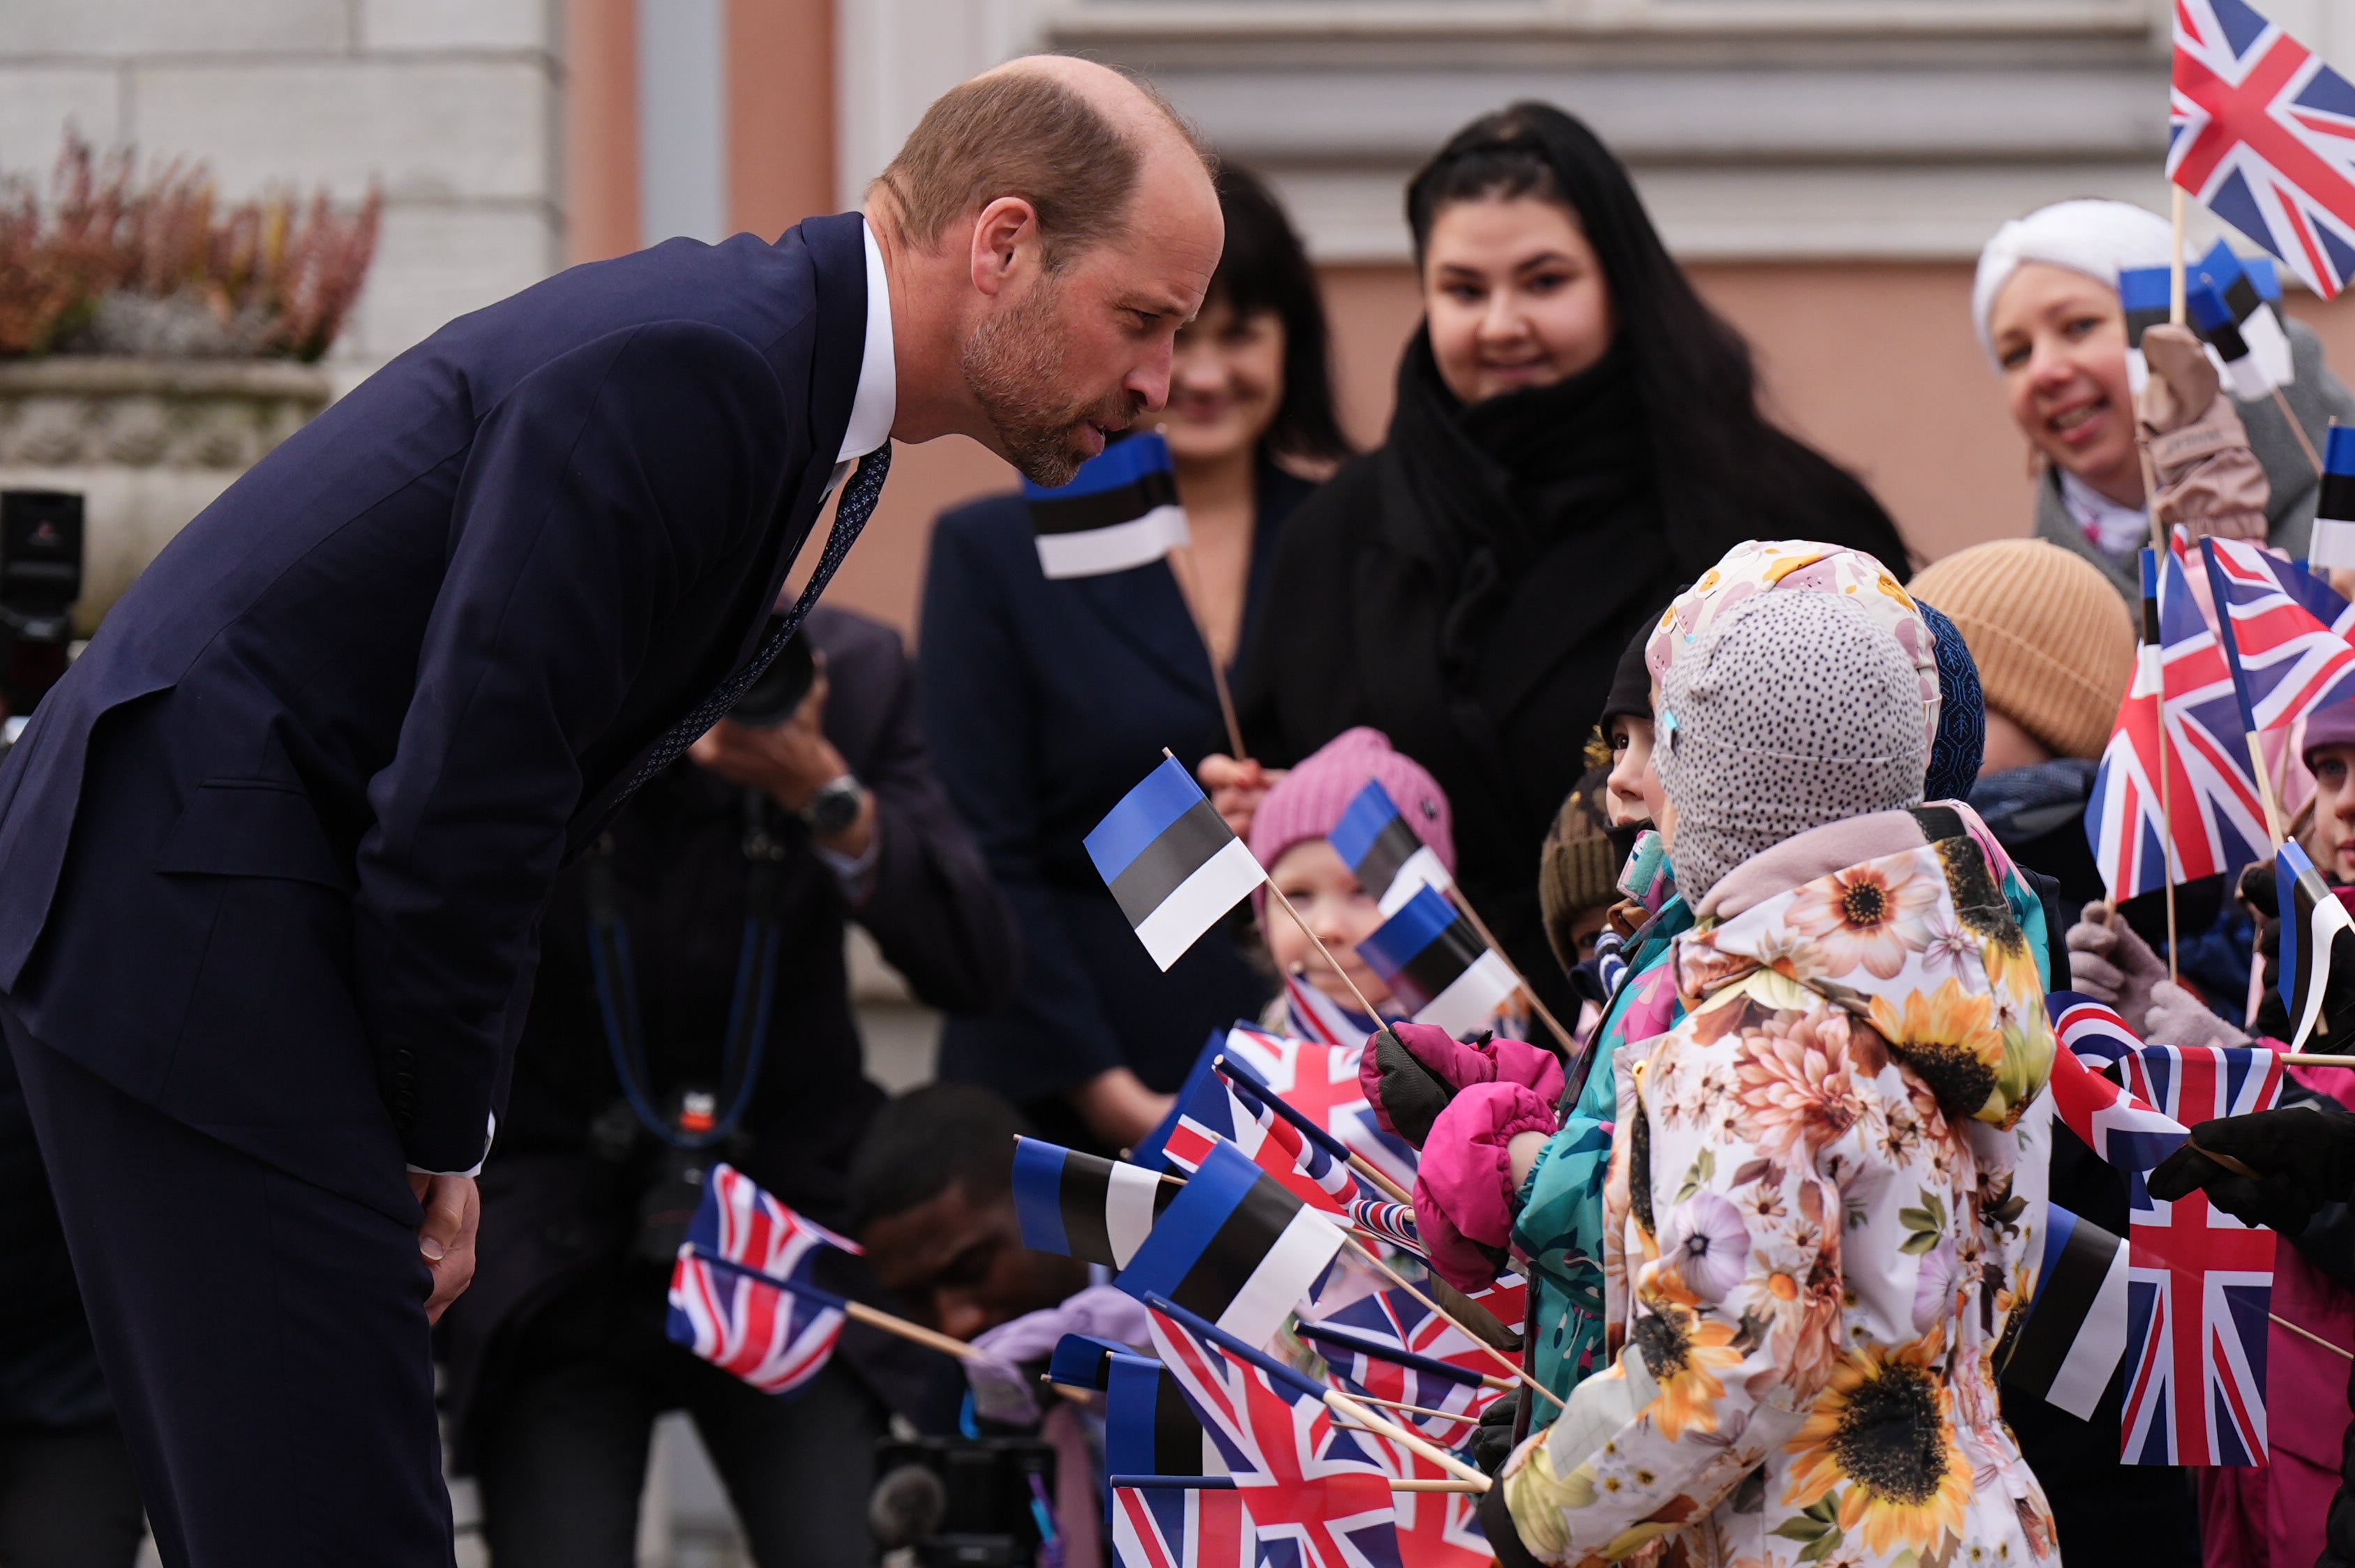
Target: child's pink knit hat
{"x": 1307, "y": 802}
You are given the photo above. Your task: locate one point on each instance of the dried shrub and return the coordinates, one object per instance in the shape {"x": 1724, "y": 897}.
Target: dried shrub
{"x": 114, "y": 264}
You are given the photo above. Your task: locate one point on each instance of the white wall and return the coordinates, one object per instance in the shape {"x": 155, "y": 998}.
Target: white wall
{"x": 451, "y": 105}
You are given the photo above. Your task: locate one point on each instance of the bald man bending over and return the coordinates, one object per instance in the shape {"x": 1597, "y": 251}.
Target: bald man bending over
{"x": 272, "y": 855}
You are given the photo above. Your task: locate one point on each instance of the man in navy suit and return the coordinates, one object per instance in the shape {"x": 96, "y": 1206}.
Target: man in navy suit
{"x": 273, "y": 853}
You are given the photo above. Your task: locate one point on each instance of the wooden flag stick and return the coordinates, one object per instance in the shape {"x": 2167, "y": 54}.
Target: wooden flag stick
{"x": 1511, "y": 1368}
{"x": 858, "y": 1311}
{"x": 2303, "y": 444}
{"x": 2175, "y": 293}
{"x": 1359, "y": 1164}
{"x": 1545, "y": 1014}
{"x": 1417, "y": 1409}
{"x": 1340, "y": 1404}
{"x": 1185, "y": 575}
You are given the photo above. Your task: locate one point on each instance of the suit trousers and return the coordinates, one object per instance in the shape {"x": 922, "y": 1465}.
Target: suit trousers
{"x": 264, "y": 1339}
{"x": 564, "y": 1453}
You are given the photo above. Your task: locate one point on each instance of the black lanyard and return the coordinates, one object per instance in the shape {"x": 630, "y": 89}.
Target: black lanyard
{"x": 615, "y": 971}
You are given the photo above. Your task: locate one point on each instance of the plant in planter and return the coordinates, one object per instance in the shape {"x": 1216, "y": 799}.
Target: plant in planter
{"x": 155, "y": 341}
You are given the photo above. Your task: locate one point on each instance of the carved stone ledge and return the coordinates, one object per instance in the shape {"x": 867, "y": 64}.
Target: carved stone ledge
{"x": 71, "y": 411}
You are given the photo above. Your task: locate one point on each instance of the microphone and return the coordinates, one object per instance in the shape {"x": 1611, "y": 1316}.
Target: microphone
{"x": 907, "y": 1504}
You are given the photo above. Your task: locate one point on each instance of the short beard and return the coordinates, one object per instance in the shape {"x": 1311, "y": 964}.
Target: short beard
{"x": 1013, "y": 366}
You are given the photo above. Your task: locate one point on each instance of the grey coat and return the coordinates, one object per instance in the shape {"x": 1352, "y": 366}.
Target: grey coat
{"x": 2318, "y": 396}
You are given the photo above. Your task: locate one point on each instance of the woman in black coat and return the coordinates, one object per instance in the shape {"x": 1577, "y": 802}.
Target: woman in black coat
{"x": 1046, "y": 701}
{"x": 1576, "y": 435}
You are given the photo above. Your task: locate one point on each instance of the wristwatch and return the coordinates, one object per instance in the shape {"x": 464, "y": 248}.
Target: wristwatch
{"x": 835, "y": 807}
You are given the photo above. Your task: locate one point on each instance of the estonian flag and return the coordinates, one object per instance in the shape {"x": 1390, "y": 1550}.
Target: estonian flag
{"x": 1172, "y": 863}
{"x": 2311, "y": 916}
{"x": 1383, "y": 852}
{"x": 2334, "y": 511}
{"x": 1120, "y": 512}
{"x": 1234, "y": 1247}
{"x": 2147, "y": 293}
{"x": 1436, "y": 966}
{"x": 2213, "y": 317}
{"x": 2244, "y": 294}
{"x": 2075, "y": 1333}
{"x": 1084, "y": 1206}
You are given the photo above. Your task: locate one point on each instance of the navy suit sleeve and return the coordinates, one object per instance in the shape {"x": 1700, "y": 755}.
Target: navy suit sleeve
{"x": 595, "y": 493}
{"x": 932, "y": 907}
{"x": 982, "y": 720}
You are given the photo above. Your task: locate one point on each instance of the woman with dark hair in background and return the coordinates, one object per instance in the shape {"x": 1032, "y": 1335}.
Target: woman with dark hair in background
{"x": 1577, "y": 434}
{"x": 1045, "y": 701}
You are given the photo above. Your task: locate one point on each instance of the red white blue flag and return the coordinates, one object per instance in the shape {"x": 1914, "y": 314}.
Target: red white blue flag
{"x": 1159, "y": 1521}
{"x": 1393, "y": 1347}
{"x": 1316, "y": 1495}
{"x": 1320, "y": 1081}
{"x": 2263, "y": 133}
{"x": 2199, "y": 1282}
{"x": 740, "y": 1294}
{"x": 2206, "y": 787}
{"x": 1218, "y": 1109}
{"x": 2125, "y": 1130}
{"x": 2286, "y": 661}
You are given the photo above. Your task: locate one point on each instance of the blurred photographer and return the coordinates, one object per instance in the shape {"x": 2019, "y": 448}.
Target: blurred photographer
{"x": 693, "y": 1006}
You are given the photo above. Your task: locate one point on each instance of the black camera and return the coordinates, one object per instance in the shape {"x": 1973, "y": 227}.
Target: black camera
{"x": 961, "y": 1503}
{"x": 779, "y": 693}
{"x": 40, "y": 578}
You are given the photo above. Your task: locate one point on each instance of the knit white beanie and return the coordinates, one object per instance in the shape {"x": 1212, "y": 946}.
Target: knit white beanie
{"x": 2099, "y": 238}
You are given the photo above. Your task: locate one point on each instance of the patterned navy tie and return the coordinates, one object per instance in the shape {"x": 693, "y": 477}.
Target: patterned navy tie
{"x": 858, "y": 505}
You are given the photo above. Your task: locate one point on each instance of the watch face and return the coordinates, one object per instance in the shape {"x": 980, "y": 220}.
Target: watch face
{"x": 835, "y": 808}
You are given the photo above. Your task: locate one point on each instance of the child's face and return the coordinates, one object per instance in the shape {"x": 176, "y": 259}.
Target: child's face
{"x": 1321, "y": 886}
{"x": 1635, "y": 787}
{"x": 2334, "y": 812}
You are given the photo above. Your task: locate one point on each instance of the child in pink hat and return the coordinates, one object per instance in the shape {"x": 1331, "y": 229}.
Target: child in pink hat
{"x": 1290, "y": 836}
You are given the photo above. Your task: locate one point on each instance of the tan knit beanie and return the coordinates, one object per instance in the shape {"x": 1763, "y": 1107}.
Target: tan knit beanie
{"x": 2054, "y": 643}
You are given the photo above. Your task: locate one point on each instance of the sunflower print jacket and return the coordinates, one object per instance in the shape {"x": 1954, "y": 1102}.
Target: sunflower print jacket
{"x": 1821, "y": 1216}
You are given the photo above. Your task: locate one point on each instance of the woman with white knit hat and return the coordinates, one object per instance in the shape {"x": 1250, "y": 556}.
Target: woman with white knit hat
{"x": 2047, "y": 309}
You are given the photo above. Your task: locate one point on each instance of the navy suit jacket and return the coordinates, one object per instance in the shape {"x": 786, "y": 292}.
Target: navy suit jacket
{"x": 272, "y": 854}
{"x": 1045, "y": 703}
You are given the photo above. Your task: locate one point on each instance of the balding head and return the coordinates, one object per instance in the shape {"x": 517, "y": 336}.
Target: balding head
{"x": 1077, "y": 139}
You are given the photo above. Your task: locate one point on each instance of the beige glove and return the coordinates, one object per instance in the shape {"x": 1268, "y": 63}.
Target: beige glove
{"x": 2208, "y": 481}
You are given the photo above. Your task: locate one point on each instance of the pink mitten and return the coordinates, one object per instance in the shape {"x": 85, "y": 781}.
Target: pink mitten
{"x": 1464, "y": 1191}
{"x": 1487, "y": 1060}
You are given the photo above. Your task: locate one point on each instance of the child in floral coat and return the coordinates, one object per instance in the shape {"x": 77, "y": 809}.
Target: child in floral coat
{"x": 1820, "y": 1216}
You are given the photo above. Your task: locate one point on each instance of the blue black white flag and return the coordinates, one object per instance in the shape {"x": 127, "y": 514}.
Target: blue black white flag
{"x": 1437, "y": 967}
{"x": 1119, "y": 512}
{"x": 1389, "y": 862}
{"x": 1172, "y": 863}
{"x": 2243, "y": 292}
{"x": 2334, "y": 511}
{"x": 2311, "y": 918}
{"x": 2242, "y": 372}
{"x": 1083, "y": 1205}
{"x": 2076, "y": 1334}
{"x": 1235, "y": 1247}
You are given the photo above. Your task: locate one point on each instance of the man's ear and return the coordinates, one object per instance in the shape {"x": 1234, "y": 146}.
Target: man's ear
{"x": 1004, "y": 240}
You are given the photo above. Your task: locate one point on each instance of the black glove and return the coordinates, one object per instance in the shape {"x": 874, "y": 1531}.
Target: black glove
{"x": 1492, "y": 1440}
{"x": 2304, "y": 1156}
{"x": 1412, "y": 1094}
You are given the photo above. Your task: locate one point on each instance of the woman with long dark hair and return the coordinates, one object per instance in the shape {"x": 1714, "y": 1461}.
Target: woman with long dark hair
{"x": 1046, "y": 700}
{"x": 1576, "y": 435}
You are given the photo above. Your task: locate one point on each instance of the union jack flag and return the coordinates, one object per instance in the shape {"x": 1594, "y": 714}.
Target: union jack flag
{"x": 2263, "y": 133}
{"x": 2199, "y": 1282}
{"x": 1180, "y": 1527}
{"x": 1316, "y": 1496}
{"x": 1312, "y": 1015}
{"x": 2125, "y": 1130}
{"x": 1319, "y": 1079}
{"x": 2286, "y": 661}
{"x": 1221, "y": 1110}
{"x": 1393, "y": 1221}
{"x": 2208, "y": 791}
{"x": 1393, "y": 1347}
{"x": 773, "y": 1336}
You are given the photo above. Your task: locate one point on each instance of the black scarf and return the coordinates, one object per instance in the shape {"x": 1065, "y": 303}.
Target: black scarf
{"x": 1505, "y": 483}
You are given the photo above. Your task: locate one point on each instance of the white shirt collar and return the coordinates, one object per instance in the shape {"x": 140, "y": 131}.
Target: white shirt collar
{"x": 877, "y": 402}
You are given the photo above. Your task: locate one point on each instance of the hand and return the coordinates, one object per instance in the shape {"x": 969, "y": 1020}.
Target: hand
{"x": 1407, "y": 1096}
{"x": 1118, "y": 1107}
{"x": 1465, "y": 1196}
{"x": 453, "y": 1210}
{"x": 2112, "y": 966}
{"x": 791, "y": 762}
{"x": 1236, "y": 786}
{"x": 2208, "y": 481}
{"x": 1492, "y": 1440}
{"x": 2304, "y": 1156}
{"x": 2176, "y": 1017}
